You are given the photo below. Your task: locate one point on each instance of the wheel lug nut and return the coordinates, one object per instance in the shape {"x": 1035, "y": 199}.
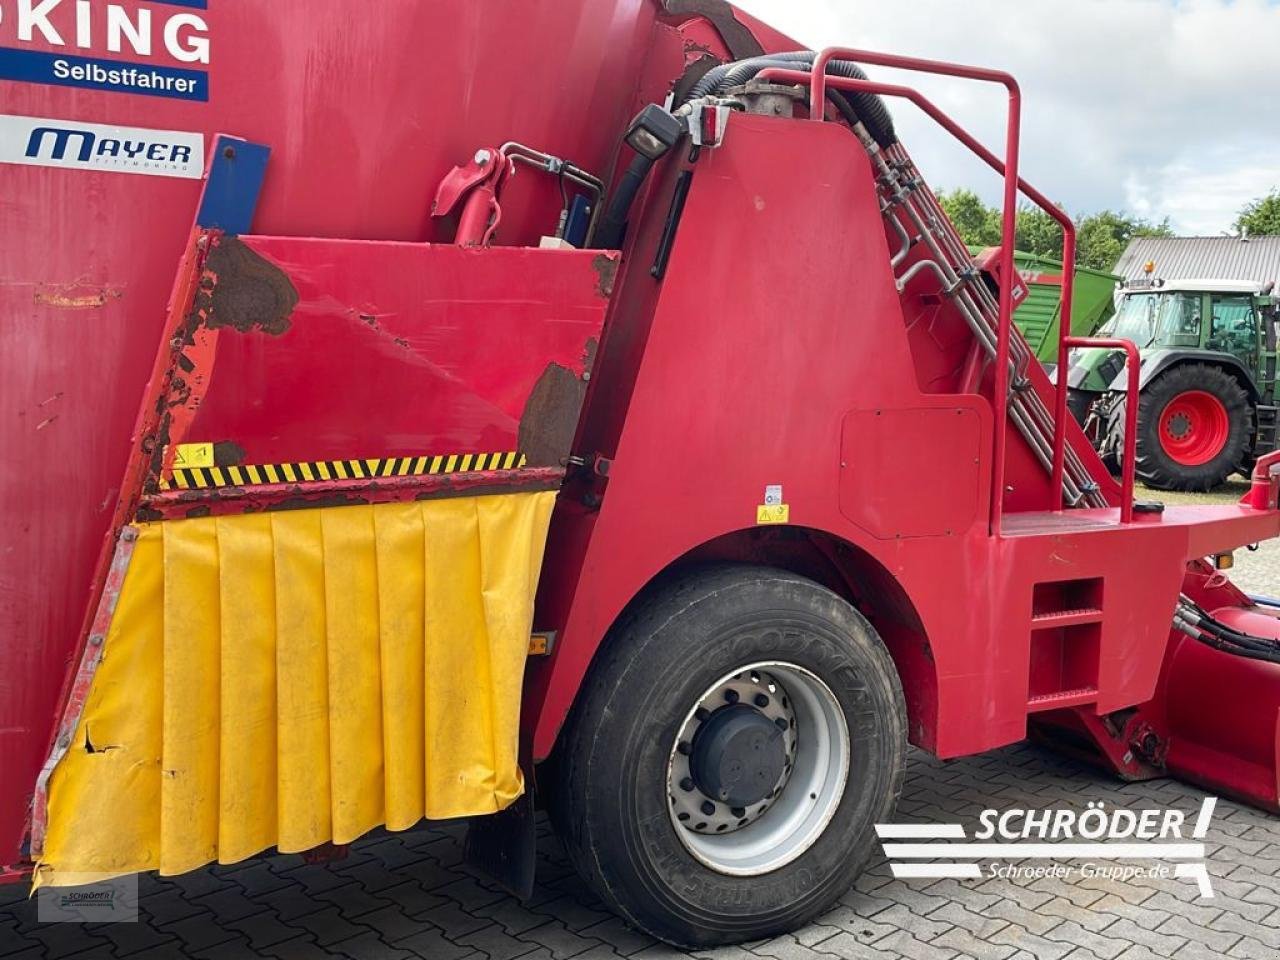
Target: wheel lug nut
{"x": 731, "y": 696}
{"x": 684, "y": 748}
{"x": 781, "y": 723}
{"x": 701, "y": 714}
{"x": 708, "y": 807}
{"x": 761, "y": 700}
{"x": 686, "y": 784}
{"x": 738, "y": 811}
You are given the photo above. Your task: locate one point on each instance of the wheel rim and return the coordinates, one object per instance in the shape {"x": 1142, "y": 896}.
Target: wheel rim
{"x": 1194, "y": 427}
{"x": 793, "y": 809}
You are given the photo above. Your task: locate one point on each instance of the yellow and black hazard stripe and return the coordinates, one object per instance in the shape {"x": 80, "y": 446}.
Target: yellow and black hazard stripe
{"x": 200, "y": 478}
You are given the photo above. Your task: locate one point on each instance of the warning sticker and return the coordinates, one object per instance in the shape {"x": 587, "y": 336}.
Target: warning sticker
{"x": 773, "y": 510}
{"x": 189, "y": 455}
{"x": 773, "y": 513}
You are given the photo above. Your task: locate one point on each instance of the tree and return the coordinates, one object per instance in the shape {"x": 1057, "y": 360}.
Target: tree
{"x": 1261, "y": 216}
{"x": 979, "y": 225}
{"x": 1039, "y": 233}
{"x": 1100, "y": 237}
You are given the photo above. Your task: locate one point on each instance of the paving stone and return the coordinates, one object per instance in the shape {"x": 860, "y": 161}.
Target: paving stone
{"x": 1249, "y": 949}
{"x": 788, "y": 948}
{"x": 235, "y": 949}
{"x": 330, "y": 926}
{"x": 1180, "y": 926}
{"x": 130, "y": 939}
{"x": 497, "y": 944}
{"x": 848, "y": 947}
{"x": 1234, "y": 923}
{"x": 1165, "y": 944}
{"x": 64, "y": 939}
{"x": 904, "y": 918}
{"x": 1103, "y": 946}
{"x": 264, "y": 930}
{"x": 904, "y": 944}
{"x": 1139, "y": 952}
{"x": 430, "y": 942}
{"x": 559, "y": 940}
{"x": 976, "y": 924}
{"x": 964, "y": 941}
{"x": 1038, "y": 946}
{"x": 368, "y": 946}
{"x": 201, "y": 931}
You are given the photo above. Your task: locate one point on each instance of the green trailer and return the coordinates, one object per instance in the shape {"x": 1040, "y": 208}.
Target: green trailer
{"x": 1037, "y": 315}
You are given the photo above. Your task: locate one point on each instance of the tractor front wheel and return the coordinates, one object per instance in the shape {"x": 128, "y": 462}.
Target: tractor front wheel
{"x": 1193, "y": 428}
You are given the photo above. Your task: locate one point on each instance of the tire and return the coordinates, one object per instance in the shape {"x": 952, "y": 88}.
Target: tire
{"x": 627, "y": 757}
{"x": 1079, "y": 402}
{"x": 1193, "y": 428}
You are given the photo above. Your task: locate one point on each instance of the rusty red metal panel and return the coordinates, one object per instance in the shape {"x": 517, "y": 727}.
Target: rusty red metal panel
{"x": 306, "y": 350}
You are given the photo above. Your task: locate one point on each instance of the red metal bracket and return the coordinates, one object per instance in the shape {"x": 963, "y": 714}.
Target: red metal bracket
{"x": 1264, "y": 486}
{"x": 474, "y": 187}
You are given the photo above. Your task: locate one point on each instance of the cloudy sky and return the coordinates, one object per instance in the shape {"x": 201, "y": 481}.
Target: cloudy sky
{"x": 1155, "y": 107}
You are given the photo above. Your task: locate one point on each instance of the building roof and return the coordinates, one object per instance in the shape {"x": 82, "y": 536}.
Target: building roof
{"x": 1222, "y": 258}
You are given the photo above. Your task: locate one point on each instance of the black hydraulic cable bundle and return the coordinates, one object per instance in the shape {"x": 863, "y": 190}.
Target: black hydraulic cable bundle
{"x": 1192, "y": 620}
{"x": 854, "y": 106}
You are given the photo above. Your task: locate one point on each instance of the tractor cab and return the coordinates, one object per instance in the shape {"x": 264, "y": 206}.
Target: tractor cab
{"x": 1208, "y": 379}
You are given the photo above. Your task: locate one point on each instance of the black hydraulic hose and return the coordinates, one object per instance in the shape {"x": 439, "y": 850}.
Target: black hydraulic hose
{"x": 1199, "y": 625}
{"x": 1246, "y": 652}
{"x": 867, "y": 107}
{"x": 609, "y": 234}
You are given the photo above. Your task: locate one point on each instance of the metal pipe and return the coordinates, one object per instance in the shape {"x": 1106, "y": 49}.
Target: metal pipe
{"x": 948, "y": 287}
{"x": 555, "y": 166}
{"x": 905, "y": 238}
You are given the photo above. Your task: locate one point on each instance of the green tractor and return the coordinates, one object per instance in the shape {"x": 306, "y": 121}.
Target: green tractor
{"x": 1207, "y": 406}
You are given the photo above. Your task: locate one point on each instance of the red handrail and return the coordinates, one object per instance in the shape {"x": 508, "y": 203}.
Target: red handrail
{"x": 817, "y": 107}
{"x": 819, "y": 81}
{"x": 1129, "y": 466}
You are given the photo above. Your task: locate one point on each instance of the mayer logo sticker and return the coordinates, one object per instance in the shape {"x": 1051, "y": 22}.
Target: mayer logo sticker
{"x": 75, "y": 43}
{"x": 94, "y": 146}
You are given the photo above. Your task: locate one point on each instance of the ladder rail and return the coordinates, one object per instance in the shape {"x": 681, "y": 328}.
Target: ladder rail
{"x": 989, "y": 318}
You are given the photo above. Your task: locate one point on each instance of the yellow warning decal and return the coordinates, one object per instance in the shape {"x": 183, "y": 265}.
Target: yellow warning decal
{"x": 205, "y": 475}
{"x": 773, "y": 513}
{"x": 189, "y": 455}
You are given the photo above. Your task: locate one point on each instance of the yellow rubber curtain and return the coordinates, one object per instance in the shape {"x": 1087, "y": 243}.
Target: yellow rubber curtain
{"x": 288, "y": 678}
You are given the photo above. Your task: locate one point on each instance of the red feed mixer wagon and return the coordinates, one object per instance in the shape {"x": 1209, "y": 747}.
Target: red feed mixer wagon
{"x": 456, "y": 406}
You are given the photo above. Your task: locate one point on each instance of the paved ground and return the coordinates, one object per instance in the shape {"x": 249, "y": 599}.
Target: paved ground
{"x": 407, "y": 895}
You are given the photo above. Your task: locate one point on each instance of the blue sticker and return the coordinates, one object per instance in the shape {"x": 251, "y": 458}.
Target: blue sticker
{"x": 195, "y": 4}
{"x": 117, "y": 76}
